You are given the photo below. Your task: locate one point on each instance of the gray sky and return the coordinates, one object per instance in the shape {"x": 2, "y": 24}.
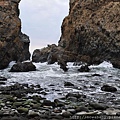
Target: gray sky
{"x": 42, "y": 19}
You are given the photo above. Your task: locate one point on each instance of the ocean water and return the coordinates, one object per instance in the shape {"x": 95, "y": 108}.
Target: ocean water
{"x": 52, "y": 79}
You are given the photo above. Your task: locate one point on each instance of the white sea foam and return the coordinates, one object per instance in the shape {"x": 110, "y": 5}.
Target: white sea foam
{"x": 103, "y": 65}
{"x": 52, "y": 74}
{"x": 11, "y": 64}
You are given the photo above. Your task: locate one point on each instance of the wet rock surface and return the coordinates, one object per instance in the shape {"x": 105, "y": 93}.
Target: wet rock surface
{"x": 23, "y": 67}
{"x": 18, "y": 102}
{"x": 108, "y": 88}
{"x": 84, "y": 68}
{"x": 14, "y": 45}
{"x": 52, "y": 54}
{"x": 41, "y": 55}
{"x": 2, "y": 80}
{"x": 67, "y": 84}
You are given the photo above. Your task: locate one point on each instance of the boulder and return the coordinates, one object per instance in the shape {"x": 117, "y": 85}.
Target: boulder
{"x": 108, "y": 88}
{"x": 92, "y": 29}
{"x": 84, "y": 68}
{"x": 23, "y": 67}
{"x": 62, "y": 64}
{"x": 14, "y": 45}
{"x": 67, "y": 84}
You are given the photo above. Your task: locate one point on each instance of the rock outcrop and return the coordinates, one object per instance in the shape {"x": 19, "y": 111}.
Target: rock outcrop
{"x": 23, "y": 67}
{"x": 52, "y": 54}
{"x": 90, "y": 33}
{"x": 14, "y": 45}
{"x": 41, "y": 55}
{"x": 92, "y": 29}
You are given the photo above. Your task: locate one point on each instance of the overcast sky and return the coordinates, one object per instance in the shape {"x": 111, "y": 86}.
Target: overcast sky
{"x": 42, "y": 19}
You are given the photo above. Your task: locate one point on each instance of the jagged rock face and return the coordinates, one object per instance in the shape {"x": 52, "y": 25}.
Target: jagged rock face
{"x": 41, "y": 55}
{"x": 92, "y": 28}
{"x": 14, "y": 46}
{"x": 52, "y": 54}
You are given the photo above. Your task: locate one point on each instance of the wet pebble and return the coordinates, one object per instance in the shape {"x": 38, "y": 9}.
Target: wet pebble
{"x": 80, "y": 109}
{"x": 51, "y": 85}
{"x": 98, "y": 106}
{"x": 76, "y": 95}
{"x": 111, "y": 111}
{"x": 33, "y": 113}
{"x": 68, "y": 84}
{"x": 22, "y": 110}
{"x": 59, "y": 103}
{"x": 17, "y": 104}
{"x": 66, "y": 114}
{"x": 88, "y": 113}
{"x": 73, "y": 99}
{"x": 2, "y": 83}
{"x": 108, "y": 88}
{"x": 72, "y": 111}
{"x": 48, "y": 103}
{"x": 96, "y": 75}
{"x": 36, "y": 106}
{"x": 56, "y": 110}
{"x": 92, "y": 86}
{"x": 3, "y": 79}
{"x": 96, "y": 83}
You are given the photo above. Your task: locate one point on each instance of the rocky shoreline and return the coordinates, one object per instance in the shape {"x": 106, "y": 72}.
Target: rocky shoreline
{"x": 24, "y": 101}
{"x": 90, "y": 35}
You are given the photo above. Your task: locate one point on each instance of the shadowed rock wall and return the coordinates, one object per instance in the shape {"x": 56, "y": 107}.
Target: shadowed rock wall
{"x": 14, "y": 46}
{"x": 92, "y": 28}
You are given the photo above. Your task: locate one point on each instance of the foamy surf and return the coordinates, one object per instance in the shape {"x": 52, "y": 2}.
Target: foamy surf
{"x": 84, "y": 82}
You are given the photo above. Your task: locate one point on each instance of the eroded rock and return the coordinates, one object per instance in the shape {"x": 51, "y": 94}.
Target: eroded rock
{"x": 14, "y": 45}
{"x": 92, "y": 29}
{"x": 108, "y": 88}
{"x": 52, "y": 54}
{"x": 23, "y": 67}
{"x": 84, "y": 68}
{"x": 41, "y": 55}
{"x": 67, "y": 84}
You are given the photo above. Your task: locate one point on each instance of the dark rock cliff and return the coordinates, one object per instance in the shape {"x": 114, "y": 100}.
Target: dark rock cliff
{"x": 90, "y": 33}
{"x": 92, "y": 28}
{"x": 14, "y": 45}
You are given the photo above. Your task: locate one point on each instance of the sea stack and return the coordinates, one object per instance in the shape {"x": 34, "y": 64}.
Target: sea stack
{"x": 92, "y": 29}
{"x": 14, "y": 45}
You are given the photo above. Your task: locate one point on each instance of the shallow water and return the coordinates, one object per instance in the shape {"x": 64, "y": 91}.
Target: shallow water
{"x": 52, "y": 79}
